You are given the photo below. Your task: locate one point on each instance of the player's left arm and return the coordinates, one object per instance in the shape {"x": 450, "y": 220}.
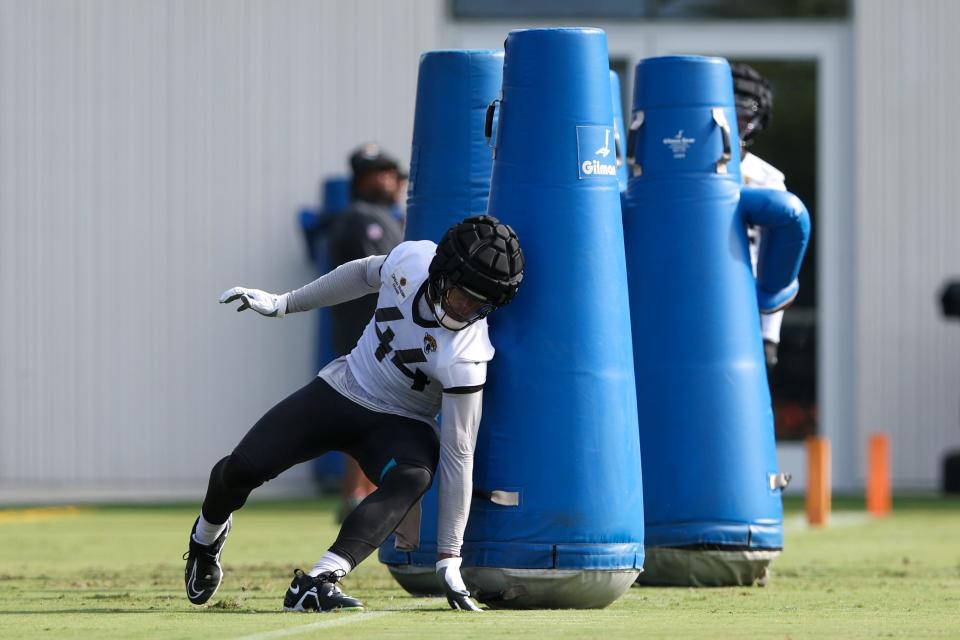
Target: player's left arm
{"x": 461, "y": 410}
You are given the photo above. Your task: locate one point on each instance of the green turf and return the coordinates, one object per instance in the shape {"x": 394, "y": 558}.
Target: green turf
{"x": 116, "y": 573}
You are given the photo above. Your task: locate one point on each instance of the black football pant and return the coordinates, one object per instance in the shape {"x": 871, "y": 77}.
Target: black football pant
{"x": 398, "y": 454}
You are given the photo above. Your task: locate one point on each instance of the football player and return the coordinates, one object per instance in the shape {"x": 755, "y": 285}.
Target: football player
{"x": 425, "y": 349}
{"x": 754, "y": 102}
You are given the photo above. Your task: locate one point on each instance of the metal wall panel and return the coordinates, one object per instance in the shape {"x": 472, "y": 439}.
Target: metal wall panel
{"x": 152, "y": 154}
{"x": 908, "y": 241}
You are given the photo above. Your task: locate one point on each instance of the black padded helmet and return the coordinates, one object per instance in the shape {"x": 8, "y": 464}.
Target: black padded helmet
{"x": 482, "y": 256}
{"x": 754, "y": 99}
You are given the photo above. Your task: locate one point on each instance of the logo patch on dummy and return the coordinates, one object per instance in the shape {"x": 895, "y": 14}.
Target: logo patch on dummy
{"x": 678, "y": 145}
{"x": 596, "y": 152}
{"x": 398, "y": 282}
{"x": 429, "y": 343}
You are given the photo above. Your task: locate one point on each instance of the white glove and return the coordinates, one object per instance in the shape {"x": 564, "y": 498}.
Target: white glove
{"x": 264, "y": 303}
{"x": 448, "y": 571}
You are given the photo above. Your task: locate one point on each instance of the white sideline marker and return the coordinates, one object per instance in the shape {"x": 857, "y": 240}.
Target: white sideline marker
{"x": 340, "y": 620}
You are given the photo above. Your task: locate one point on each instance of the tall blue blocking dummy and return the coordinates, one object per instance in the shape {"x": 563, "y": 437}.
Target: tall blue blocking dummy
{"x": 558, "y": 525}
{"x": 712, "y": 487}
{"x": 450, "y": 165}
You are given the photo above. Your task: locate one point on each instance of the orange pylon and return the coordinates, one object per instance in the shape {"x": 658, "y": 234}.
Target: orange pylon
{"x": 879, "y": 496}
{"x": 818, "y": 480}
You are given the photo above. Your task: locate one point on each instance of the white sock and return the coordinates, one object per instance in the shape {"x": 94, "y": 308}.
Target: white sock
{"x": 206, "y": 532}
{"x": 330, "y": 562}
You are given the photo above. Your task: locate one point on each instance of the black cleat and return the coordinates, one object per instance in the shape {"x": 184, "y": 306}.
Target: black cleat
{"x": 319, "y": 594}
{"x": 202, "y": 575}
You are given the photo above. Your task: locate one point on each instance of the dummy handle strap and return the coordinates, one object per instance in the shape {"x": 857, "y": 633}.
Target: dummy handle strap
{"x": 779, "y": 481}
{"x": 635, "y": 168}
{"x": 488, "y": 124}
{"x": 497, "y": 496}
{"x": 720, "y": 118}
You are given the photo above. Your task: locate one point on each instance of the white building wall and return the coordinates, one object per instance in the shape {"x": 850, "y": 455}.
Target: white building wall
{"x": 908, "y": 229}
{"x": 152, "y": 154}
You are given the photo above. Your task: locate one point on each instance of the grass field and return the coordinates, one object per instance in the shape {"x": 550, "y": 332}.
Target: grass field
{"x": 116, "y": 572}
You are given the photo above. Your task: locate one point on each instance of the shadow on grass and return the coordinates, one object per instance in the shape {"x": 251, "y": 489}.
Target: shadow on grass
{"x": 214, "y": 609}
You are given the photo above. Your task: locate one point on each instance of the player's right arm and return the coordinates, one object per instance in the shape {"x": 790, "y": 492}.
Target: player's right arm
{"x": 349, "y": 281}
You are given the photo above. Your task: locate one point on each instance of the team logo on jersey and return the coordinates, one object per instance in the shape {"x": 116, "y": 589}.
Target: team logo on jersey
{"x": 399, "y": 283}
{"x": 596, "y": 156}
{"x": 429, "y": 343}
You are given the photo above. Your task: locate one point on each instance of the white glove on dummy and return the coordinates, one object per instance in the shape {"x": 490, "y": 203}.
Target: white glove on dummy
{"x": 448, "y": 571}
{"x": 264, "y": 303}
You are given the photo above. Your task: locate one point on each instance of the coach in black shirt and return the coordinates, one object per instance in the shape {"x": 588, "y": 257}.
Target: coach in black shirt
{"x": 368, "y": 227}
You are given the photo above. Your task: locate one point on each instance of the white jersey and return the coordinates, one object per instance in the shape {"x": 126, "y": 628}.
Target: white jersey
{"x": 755, "y": 172}
{"x": 405, "y": 360}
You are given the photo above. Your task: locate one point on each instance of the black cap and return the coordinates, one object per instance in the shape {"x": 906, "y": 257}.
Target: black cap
{"x": 370, "y": 157}
{"x": 950, "y": 300}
